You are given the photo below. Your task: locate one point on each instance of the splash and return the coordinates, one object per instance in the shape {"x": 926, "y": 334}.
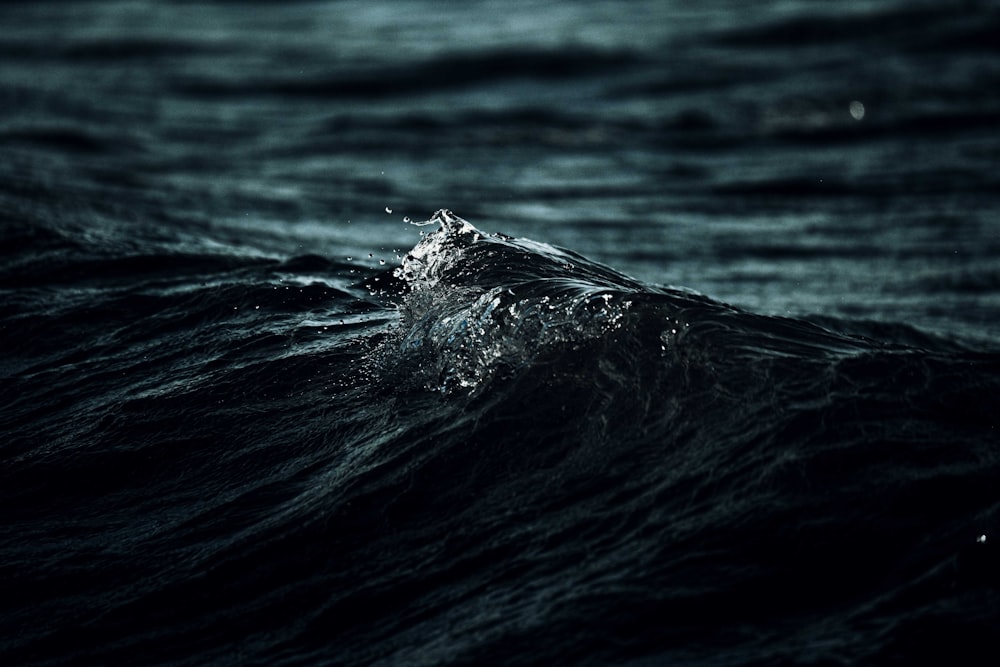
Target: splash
{"x": 481, "y": 306}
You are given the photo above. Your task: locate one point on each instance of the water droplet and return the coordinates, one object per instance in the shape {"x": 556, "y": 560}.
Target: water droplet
{"x": 406, "y": 218}
{"x": 981, "y": 539}
{"x": 381, "y": 261}
{"x": 370, "y": 255}
{"x": 388, "y": 210}
{"x": 349, "y": 258}
{"x": 857, "y": 110}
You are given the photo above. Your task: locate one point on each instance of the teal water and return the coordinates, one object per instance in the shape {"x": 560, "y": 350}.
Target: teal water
{"x": 251, "y": 415}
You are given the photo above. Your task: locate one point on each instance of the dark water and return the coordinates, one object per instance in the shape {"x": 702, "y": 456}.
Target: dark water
{"x": 250, "y": 416}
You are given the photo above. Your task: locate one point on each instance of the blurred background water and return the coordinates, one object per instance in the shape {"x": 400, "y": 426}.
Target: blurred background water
{"x": 792, "y": 157}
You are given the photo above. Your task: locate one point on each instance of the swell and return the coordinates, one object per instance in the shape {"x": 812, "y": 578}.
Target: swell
{"x": 473, "y": 304}
{"x": 762, "y": 469}
{"x": 532, "y": 458}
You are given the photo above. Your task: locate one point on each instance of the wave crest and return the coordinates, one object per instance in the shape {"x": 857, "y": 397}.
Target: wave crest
{"x": 476, "y": 306}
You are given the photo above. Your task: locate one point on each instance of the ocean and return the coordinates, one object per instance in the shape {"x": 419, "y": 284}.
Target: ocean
{"x": 427, "y": 333}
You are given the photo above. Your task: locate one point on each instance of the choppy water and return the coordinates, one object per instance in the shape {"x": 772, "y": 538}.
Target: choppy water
{"x": 735, "y": 403}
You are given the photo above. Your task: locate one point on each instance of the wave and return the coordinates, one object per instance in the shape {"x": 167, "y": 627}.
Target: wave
{"x": 497, "y": 452}
{"x": 811, "y": 453}
{"x": 475, "y": 305}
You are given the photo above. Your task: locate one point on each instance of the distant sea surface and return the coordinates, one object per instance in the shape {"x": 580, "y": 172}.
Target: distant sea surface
{"x": 432, "y": 333}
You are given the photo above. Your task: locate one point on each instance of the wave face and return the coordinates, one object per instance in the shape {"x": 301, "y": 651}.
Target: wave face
{"x": 497, "y": 452}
